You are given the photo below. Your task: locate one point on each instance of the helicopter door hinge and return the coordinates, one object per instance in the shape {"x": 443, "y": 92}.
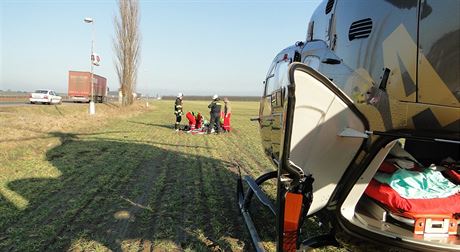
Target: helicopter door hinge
{"x": 349, "y": 132}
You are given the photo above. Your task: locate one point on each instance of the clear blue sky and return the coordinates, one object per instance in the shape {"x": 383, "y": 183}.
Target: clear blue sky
{"x": 195, "y": 47}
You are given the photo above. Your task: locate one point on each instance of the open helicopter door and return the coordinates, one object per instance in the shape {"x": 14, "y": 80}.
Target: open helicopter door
{"x": 323, "y": 133}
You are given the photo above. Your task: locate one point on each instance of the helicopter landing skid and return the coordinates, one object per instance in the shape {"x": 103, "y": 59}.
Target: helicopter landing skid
{"x": 244, "y": 201}
{"x": 289, "y": 243}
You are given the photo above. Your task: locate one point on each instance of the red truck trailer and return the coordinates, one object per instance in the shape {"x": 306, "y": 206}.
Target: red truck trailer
{"x": 80, "y": 87}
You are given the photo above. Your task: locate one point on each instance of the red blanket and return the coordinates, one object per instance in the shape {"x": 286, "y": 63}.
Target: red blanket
{"x": 384, "y": 194}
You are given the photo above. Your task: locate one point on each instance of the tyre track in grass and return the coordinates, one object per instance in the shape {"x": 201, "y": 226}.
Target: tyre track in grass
{"x": 184, "y": 183}
{"x": 158, "y": 222}
{"x": 211, "y": 205}
{"x": 71, "y": 182}
{"x": 151, "y": 222}
{"x": 152, "y": 179}
{"x": 181, "y": 183}
{"x": 226, "y": 180}
{"x": 244, "y": 139}
{"x": 184, "y": 193}
{"x": 205, "y": 210}
{"x": 90, "y": 216}
{"x": 171, "y": 206}
{"x": 39, "y": 218}
{"x": 216, "y": 194}
{"x": 157, "y": 202}
{"x": 49, "y": 223}
{"x": 63, "y": 227}
{"x": 114, "y": 183}
{"x": 264, "y": 233}
{"x": 245, "y": 155}
{"x": 190, "y": 213}
{"x": 125, "y": 208}
{"x": 148, "y": 219}
{"x": 198, "y": 206}
{"x": 195, "y": 213}
{"x": 220, "y": 201}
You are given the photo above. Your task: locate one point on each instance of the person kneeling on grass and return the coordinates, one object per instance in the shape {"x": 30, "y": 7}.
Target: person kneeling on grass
{"x": 191, "y": 120}
{"x": 195, "y": 120}
{"x": 199, "y": 120}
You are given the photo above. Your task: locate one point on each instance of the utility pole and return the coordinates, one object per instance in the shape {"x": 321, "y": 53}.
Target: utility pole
{"x": 92, "y": 106}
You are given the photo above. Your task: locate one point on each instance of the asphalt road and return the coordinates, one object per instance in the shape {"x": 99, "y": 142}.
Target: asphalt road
{"x": 22, "y": 103}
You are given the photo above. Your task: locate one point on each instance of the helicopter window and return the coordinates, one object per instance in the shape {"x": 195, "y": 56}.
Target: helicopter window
{"x": 278, "y": 77}
{"x": 269, "y": 80}
{"x": 282, "y": 74}
{"x": 269, "y": 84}
{"x": 271, "y": 69}
{"x": 312, "y": 61}
{"x": 311, "y": 26}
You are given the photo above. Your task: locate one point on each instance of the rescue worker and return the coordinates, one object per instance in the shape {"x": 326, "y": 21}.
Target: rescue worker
{"x": 195, "y": 120}
{"x": 191, "y": 120}
{"x": 227, "y": 115}
{"x": 221, "y": 121}
{"x": 199, "y": 121}
{"x": 178, "y": 111}
{"x": 215, "y": 108}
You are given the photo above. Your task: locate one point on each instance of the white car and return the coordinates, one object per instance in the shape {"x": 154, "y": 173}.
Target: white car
{"x": 45, "y": 96}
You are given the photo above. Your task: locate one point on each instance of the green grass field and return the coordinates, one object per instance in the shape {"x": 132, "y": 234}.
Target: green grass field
{"x": 122, "y": 182}
{"x": 125, "y": 180}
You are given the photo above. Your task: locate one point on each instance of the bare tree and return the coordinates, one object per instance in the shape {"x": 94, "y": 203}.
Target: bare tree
{"x": 127, "y": 47}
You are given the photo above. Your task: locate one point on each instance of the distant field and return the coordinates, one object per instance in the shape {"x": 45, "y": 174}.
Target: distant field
{"x": 21, "y": 97}
{"x": 208, "y": 98}
{"x": 124, "y": 180}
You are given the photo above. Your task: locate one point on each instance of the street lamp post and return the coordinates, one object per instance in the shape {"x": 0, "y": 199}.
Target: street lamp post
{"x": 92, "y": 106}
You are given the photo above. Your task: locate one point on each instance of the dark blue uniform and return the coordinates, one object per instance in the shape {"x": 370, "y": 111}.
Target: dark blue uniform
{"x": 178, "y": 112}
{"x": 215, "y": 107}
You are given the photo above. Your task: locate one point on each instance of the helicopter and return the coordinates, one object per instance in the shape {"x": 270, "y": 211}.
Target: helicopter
{"x": 372, "y": 93}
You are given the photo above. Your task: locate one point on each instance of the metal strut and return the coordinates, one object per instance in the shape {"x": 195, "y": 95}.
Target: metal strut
{"x": 244, "y": 201}
{"x": 255, "y": 189}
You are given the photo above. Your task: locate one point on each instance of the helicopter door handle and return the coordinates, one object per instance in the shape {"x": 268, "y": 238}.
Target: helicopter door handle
{"x": 331, "y": 61}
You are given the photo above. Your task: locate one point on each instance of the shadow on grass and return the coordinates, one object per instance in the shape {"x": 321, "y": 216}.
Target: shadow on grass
{"x": 63, "y": 136}
{"x": 157, "y": 143}
{"x": 167, "y": 126}
{"x": 124, "y": 196}
{"x": 58, "y": 110}
{"x": 111, "y": 104}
